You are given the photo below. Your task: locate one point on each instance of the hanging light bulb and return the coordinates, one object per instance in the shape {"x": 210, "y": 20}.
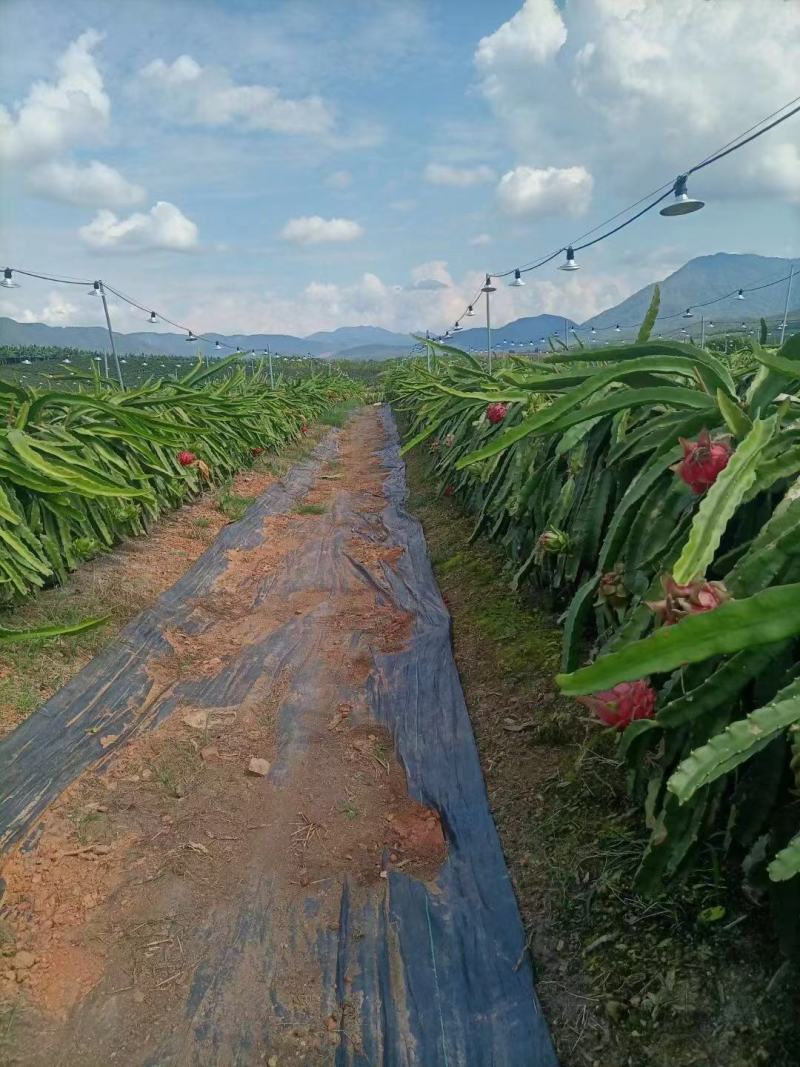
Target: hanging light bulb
{"x": 518, "y": 282}
{"x": 687, "y": 313}
{"x": 66, "y": 359}
{"x": 744, "y": 325}
{"x": 8, "y": 282}
{"x": 123, "y": 361}
{"x": 153, "y": 318}
{"x": 27, "y": 362}
{"x": 96, "y": 359}
{"x": 683, "y": 204}
{"x": 95, "y": 290}
{"x": 470, "y": 311}
{"x": 594, "y": 331}
{"x": 569, "y": 263}
{"x": 740, "y": 295}
{"x": 617, "y": 328}
{"x": 542, "y": 341}
{"x": 217, "y": 344}
{"x": 191, "y": 337}
{"x": 711, "y": 325}
{"x": 457, "y": 327}
{"x": 487, "y": 286}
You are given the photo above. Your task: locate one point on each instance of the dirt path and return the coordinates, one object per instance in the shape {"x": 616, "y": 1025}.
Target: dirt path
{"x": 218, "y": 891}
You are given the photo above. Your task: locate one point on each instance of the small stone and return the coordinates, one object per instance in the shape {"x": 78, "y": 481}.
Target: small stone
{"x": 101, "y": 850}
{"x": 138, "y": 996}
{"x": 23, "y": 961}
{"x": 259, "y": 767}
{"x": 146, "y": 776}
{"x": 210, "y": 754}
{"x": 272, "y": 1061}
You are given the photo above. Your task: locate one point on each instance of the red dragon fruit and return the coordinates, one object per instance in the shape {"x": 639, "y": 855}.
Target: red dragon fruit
{"x": 623, "y": 704}
{"x": 257, "y": 451}
{"x": 691, "y": 599}
{"x": 186, "y": 459}
{"x": 702, "y": 461}
{"x": 496, "y": 412}
{"x": 449, "y": 490}
{"x": 304, "y": 429}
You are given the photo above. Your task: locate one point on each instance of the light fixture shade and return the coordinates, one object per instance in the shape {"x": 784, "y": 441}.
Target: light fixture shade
{"x": 8, "y": 281}
{"x": 683, "y": 204}
{"x": 710, "y": 325}
{"x": 95, "y": 290}
{"x": 518, "y": 282}
{"x": 470, "y": 311}
{"x": 66, "y": 359}
{"x": 687, "y": 313}
{"x": 618, "y": 328}
{"x": 487, "y": 286}
{"x": 740, "y": 295}
{"x": 569, "y": 263}
{"x": 191, "y": 337}
{"x": 457, "y": 327}
{"x": 153, "y": 318}
{"x": 27, "y": 362}
{"x": 594, "y": 331}
{"x": 217, "y": 344}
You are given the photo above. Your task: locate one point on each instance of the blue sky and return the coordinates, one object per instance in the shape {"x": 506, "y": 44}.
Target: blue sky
{"x": 298, "y": 166}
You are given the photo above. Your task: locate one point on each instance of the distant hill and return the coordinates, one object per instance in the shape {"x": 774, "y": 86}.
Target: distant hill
{"x": 705, "y": 278}
{"x": 518, "y": 332}
{"x": 95, "y": 339}
{"x": 352, "y": 336}
{"x": 375, "y": 352}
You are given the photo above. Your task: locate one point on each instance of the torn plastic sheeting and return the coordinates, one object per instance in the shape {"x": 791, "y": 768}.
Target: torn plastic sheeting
{"x": 111, "y": 696}
{"x": 440, "y": 973}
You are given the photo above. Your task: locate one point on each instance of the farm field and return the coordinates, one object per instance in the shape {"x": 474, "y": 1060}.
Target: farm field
{"x": 649, "y": 502}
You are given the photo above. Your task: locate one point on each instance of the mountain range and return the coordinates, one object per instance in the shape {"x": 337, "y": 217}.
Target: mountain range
{"x": 701, "y": 279}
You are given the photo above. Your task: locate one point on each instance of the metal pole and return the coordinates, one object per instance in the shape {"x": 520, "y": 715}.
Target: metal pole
{"x": 111, "y": 339}
{"x": 702, "y": 331}
{"x": 566, "y": 335}
{"x": 269, "y": 357}
{"x": 428, "y": 352}
{"x": 488, "y": 334}
{"x": 786, "y": 305}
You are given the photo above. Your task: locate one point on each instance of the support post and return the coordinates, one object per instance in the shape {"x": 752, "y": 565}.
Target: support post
{"x": 111, "y": 339}
{"x": 786, "y": 304}
{"x": 488, "y": 334}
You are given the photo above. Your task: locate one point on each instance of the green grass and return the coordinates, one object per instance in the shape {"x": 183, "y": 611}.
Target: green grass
{"x": 232, "y": 505}
{"x": 201, "y": 523}
{"x": 338, "y": 416}
{"x": 310, "y": 509}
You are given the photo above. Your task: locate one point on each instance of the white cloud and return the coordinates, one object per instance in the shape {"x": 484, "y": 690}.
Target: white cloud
{"x": 639, "y": 98}
{"x": 164, "y": 226}
{"x": 207, "y": 96}
{"x": 550, "y": 191}
{"x": 314, "y": 230}
{"x": 94, "y": 185}
{"x": 57, "y": 311}
{"x": 56, "y": 115}
{"x": 480, "y": 239}
{"x": 339, "y": 179}
{"x": 445, "y": 174}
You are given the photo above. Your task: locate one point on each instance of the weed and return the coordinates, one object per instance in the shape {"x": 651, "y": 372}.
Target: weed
{"x": 310, "y": 509}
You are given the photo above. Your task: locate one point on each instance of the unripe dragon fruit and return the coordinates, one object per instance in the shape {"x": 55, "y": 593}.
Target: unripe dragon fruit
{"x": 612, "y": 587}
{"x": 496, "y": 412}
{"x": 691, "y": 599}
{"x": 552, "y": 541}
{"x": 623, "y": 704}
{"x": 186, "y": 459}
{"x": 702, "y": 461}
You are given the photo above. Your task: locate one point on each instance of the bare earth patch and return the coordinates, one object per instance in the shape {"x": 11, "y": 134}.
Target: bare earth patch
{"x": 109, "y": 919}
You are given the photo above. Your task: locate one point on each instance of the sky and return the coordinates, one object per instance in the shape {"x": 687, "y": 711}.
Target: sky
{"x": 256, "y": 166}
